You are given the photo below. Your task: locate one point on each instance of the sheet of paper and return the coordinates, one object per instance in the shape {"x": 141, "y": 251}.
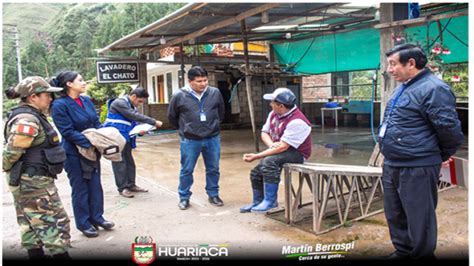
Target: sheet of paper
{"x": 142, "y": 127}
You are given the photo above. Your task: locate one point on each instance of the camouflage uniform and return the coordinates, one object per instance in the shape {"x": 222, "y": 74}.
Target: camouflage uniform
{"x": 40, "y": 213}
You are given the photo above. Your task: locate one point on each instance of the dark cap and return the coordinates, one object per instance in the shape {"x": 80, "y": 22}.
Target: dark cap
{"x": 281, "y": 95}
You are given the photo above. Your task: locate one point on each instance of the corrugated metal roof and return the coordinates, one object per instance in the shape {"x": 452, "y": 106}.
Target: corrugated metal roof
{"x": 221, "y": 23}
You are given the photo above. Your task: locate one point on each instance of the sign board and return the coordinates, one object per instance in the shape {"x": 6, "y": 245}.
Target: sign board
{"x": 117, "y": 71}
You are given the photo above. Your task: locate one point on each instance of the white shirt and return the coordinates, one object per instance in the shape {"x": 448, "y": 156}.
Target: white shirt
{"x": 295, "y": 133}
{"x": 195, "y": 94}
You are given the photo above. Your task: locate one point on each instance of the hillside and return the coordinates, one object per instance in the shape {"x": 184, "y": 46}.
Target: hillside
{"x": 31, "y": 17}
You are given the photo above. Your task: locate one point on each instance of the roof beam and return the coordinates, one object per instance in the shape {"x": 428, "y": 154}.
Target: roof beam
{"x": 419, "y": 21}
{"x": 215, "y": 26}
{"x": 171, "y": 20}
{"x": 328, "y": 32}
{"x": 307, "y": 14}
{"x": 159, "y": 23}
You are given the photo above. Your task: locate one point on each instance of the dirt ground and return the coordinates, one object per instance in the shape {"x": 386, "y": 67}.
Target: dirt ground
{"x": 156, "y": 213}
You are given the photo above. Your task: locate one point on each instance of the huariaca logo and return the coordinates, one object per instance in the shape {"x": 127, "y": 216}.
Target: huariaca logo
{"x": 143, "y": 250}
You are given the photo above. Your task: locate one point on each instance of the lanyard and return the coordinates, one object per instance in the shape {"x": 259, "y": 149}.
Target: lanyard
{"x": 200, "y": 102}
{"x": 403, "y": 87}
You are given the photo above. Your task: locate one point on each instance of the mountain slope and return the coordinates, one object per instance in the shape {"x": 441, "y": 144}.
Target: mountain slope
{"x": 30, "y": 18}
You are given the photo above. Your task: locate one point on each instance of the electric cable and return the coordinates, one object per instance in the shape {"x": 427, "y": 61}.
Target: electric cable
{"x": 310, "y": 45}
{"x": 457, "y": 38}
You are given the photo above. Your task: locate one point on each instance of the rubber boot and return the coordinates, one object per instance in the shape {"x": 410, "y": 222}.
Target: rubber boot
{"x": 62, "y": 256}
{"x": 270, "y": 198}
{"x": 36, "y": 254}
{"x": 257, "y": 198}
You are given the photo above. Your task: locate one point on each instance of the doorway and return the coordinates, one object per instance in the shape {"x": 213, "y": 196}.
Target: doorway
{"x": 223, "y": 87}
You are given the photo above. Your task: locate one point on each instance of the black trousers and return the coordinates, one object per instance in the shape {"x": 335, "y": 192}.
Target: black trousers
{"x": 410, "y": 199}
{"x": 125, "y": 171}
{"x": 269, "y": 168}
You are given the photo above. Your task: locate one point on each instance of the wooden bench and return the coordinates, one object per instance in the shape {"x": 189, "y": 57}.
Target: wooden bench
{"x": 346, "y": 192}
{"x": 335, "y": 189}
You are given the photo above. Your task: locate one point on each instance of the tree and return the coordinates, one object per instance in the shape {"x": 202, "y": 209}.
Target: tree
{"x": 35, "y": 59}
{"x": 10, "y": 74}
{"x": 363, "y": 78}
{"x": 73, "y": 37}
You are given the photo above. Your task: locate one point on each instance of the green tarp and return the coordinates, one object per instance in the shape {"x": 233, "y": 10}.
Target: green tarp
{"x": 360, "y": 49}
{"x": 456, "y": 29}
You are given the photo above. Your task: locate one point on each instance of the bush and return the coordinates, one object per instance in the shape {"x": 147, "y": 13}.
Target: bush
{"x": 460, "y": 88}
{"x": 104, "y": 109}
{"x": 8, "y": 105}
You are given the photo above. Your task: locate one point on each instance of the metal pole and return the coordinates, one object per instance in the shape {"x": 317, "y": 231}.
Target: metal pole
{"x": 17, "y": 47}
{"x": 247, "y": 82}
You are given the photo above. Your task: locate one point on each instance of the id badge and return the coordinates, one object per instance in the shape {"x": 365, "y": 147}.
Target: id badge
{"x": 203, "y": 117}
{"x": 382, "y": 130}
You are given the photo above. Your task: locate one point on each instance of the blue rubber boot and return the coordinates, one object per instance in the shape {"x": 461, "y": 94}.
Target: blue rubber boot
{"x": 257, "y": 198}
{"x": 270, "y": 198}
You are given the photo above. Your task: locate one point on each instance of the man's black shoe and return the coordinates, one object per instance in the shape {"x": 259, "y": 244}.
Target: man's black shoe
{"x": 183, "y": 204}
{"x": 107, "y": 225}
{"x": 62, "y": 256}
{"x": 397, "y": 256}
{"x": 216, "y": 201}
{"x": 91, "y": 232}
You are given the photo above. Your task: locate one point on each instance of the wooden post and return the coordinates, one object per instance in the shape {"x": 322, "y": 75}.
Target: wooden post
{"x": 388, "y": 84}
{"x": 386, "y": 43}
{"x": 181, "y": 77}
{"x": 243, "y": 28}
{"x": 143, "y": 81}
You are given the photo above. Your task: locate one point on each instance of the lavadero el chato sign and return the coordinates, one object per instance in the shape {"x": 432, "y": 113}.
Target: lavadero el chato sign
{"x": 117, "y": 71}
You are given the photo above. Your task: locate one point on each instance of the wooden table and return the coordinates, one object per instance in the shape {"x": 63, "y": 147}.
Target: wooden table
{"x": 347, "y": 187}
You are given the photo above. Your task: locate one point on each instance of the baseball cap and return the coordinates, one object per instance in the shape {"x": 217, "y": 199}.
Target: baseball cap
{"x": 34, "y": 84}
{"x": 281, "y": 95}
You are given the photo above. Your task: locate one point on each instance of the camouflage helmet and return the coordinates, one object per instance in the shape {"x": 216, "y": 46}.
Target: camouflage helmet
{"x": 35, "y": 84}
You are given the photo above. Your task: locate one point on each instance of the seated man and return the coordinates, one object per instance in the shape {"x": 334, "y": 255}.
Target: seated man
{"x": 287, "y": 133}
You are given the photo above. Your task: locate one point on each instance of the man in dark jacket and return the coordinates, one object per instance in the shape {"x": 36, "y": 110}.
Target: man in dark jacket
{"x": 123, "y": 115}
{"x": 197, "y": 111}
{"x": 419, "y": 133}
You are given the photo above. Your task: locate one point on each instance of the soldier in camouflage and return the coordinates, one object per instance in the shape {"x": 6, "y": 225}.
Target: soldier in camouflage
{"x": 32, "y": 157}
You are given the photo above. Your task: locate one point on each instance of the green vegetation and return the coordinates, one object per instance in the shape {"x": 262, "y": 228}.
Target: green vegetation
{"x": 461, "y": 87}
{"x": 56, "y": 37}
{"x": 363, "y": 78}
{"x": 450, "y": 75}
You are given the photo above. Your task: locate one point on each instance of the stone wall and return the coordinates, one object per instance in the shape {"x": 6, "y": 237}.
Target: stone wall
{"x": 257, "y": 94}
{"x": 160, "y": 112}
{"x": 311, "y": 93}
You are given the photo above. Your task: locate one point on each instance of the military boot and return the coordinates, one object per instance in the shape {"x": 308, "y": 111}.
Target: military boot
{"x": 62, "y": 256}
{"x": 36, "y": 254}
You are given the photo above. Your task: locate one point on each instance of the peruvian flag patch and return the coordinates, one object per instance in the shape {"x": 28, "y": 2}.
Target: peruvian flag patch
{"x": 25, "y": 130}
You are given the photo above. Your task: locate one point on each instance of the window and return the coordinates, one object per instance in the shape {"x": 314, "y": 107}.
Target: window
{"x": 340, "y": 81}
{"x": 169, "y": 85}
